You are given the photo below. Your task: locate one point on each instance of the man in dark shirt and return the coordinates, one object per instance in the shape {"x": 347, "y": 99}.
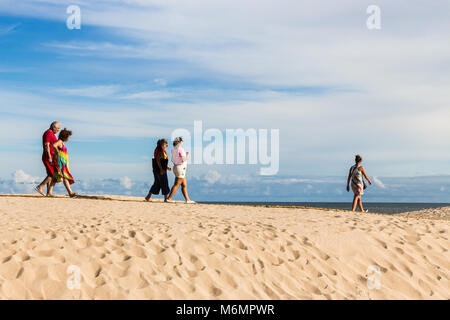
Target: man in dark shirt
{"x": 48, "y": 139}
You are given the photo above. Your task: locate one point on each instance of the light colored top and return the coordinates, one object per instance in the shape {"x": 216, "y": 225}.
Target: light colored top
{"x": 177, "y": 155}
{"x": 357, "y": 178}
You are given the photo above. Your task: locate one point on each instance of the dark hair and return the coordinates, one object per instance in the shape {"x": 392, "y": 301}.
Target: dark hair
{"x": 64, "y": 134}
{"x": 358, "y": 158}
{"x": 160, "y": 143}
{"x": 177, "y": 141}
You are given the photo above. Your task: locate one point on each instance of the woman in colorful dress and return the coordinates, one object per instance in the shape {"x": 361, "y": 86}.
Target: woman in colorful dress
{"x": 61, "y": 162}
{"x": 160, "y": 163}
{"x": 355, "y": 175}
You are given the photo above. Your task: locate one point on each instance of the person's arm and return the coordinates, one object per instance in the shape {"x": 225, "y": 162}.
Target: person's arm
{"x": 186, "y": 157}
{"x": 365, "y": 175}
{"x": 348, "y": 179}
{"x": 158, "y": 161}
{"x": 168, "y": 167}
{"x": 57, "y": 145}
{"x": 47, "y": 149}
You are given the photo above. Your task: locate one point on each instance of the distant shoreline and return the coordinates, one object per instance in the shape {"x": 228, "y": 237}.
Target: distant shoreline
{"x": 379, "y": 207}
{"x": 406, "y": 209}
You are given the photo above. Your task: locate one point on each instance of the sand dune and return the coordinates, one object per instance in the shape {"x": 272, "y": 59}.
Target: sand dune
{"x": 136, "y": 250}
{"x": 441, "y": 213}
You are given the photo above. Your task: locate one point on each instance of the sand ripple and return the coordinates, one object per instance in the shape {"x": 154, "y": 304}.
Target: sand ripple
{"x": 134, "y": 250}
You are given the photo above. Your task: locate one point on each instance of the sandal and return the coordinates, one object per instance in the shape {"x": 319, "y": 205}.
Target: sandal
{"x": 39, "y": 191}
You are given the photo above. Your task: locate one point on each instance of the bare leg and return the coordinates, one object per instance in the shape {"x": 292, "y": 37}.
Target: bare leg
{"x": 355, "y": 201}
{"x": 50, "y": 189}
{"x": 147, "y": 198}
{"x": 47, "y": 181}
{"x": 360, "y": 204}
{"x": 67, "y": 185}
{"x": 184, "y": 189}
{"x": 174, "y": 188}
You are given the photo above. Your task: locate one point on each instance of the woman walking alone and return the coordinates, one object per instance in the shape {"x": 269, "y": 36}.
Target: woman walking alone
{"x": 355, "y": 175}
{"x": 160, "y": 164}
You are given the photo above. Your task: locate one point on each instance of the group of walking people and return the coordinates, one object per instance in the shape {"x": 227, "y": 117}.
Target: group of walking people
{"x": 160, "y": 164}
{"x": 56, "y": 161}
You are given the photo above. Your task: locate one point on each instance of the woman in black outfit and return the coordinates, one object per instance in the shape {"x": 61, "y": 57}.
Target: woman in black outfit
{"x": 160, "y": 164}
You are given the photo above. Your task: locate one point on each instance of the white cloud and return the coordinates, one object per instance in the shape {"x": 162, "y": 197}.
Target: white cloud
{"x": 161, "y": 82}
{"x": 91, "y": 92}
{"x": 293, "y": 40}
{"x": 384, "y": 134}
{"x": 288, "y": 180}
{"x": 212, "y": 177}
{"x": 126, "y": 182}
{"x": 394, "y": 79}
{"x": 146, "y": 95}
{"x": 103, "y": 49}
{"x": 255, "y": 188}
{"x": 8, "y": 29}
{"x": 21, "y": 182}
{"x": 379, "y": 183}
{"x": 19, "y": 176}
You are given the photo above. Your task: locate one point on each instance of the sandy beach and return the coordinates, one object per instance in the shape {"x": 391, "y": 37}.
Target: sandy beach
{"x": 129, "y": 249}
{"x": 440, "y": 213}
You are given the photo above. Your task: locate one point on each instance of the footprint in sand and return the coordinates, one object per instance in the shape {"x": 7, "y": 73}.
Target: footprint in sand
{"x": 216, "y": 291}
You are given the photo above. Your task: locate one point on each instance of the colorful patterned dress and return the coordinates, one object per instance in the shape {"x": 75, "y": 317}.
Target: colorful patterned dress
{"x": 62, "y": 166}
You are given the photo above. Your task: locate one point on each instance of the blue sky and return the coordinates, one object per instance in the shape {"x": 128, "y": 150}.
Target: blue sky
{"x": 137, "y": 71}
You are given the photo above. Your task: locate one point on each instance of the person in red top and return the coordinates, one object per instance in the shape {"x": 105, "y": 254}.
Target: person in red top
{"x": 48, "y": 139}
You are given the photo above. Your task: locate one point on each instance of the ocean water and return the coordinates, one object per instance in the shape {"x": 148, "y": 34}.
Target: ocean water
{"x": 378, "y": 207}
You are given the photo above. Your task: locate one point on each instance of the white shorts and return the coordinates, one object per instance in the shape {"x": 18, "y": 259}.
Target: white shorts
{"x": 180, "y": 170}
